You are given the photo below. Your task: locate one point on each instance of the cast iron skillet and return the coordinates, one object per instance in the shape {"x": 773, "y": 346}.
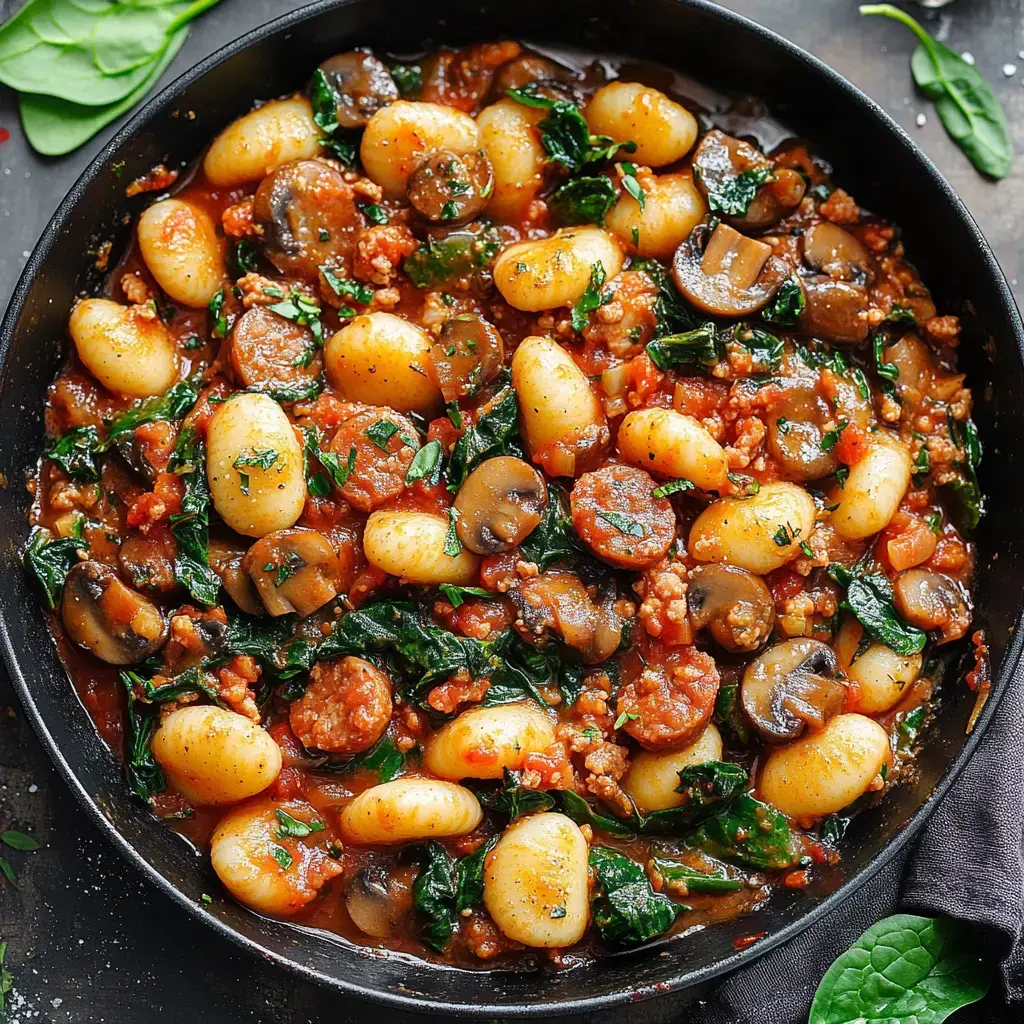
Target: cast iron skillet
{"x": 874, "y": 158}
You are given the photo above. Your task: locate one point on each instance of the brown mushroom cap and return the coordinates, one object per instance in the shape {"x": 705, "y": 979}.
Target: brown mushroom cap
{"x": 468, "y": 353}
{"x": 294, "y": 571}
{"x": 148, "y": 564}
{"x": 796, "y": 426}
{"x": 834, "y": 310}
{"x": 831, "y": 250}
{"x": 372, "y": 902}
{"x": 307, "y": 213}
{"x": 719, "y": 158}
{"x": 103, "y": 615}
{"x": 558, "y": 602}
{"x": 226, "y": 561}
{"x": 734, "y": 605}
{"x": 531, "y": 69}
{"x": 362, "y": 84}
{"x": 790, "y": 688}
{"x": 500, "y": 504}
{"x": 933, "y": 601}
{"x": 451, "y": 188}
{"x": 726, "y": 273}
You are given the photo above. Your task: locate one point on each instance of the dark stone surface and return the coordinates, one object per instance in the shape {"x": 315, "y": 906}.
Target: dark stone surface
{"x": 87, "y": 942}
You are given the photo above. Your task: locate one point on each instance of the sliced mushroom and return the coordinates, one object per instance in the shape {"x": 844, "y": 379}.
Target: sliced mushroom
{"x": 307, "y": 214}
{"x": 369, "y": 903}
{"x": 831, "y": 250}
{"x": 796, "y": 427}
{"x": 790, "y": 688}
{"x": 834, "y": 310}
{"x": 726, "y": 273}
{"x": 720, "y": 158}
{"x": 500, "y": 504}
{"x": 148, "y": 564}
{"x": 932, "y": 601}
{"x": 226, "y": 561}
{"x": 549, "y": 76}
{"x": 468, "y": 353}
{"x": 294, "y": 571}
{"x": 362, "y": 85}
{"x": 558, "y": 602}
{"x": 734, "y": 605}
{"x": 103, "y": 615}
{"x": 451, "y": 188}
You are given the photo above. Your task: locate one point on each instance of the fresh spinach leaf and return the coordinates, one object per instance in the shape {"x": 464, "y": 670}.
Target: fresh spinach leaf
{"x": 967, "y": 106}
{"x": 18, "y": 841}
{"x": 48, "y": 560}
{"x": 904, "y": 968}
{"x": 439, "y": 260}
{"x": 626, "y": 909}
{"x": 6, "y": 978}
{"x": 583, "y": 200}
{"x": 701, "y": 346}
{"x": 748, "y": 832}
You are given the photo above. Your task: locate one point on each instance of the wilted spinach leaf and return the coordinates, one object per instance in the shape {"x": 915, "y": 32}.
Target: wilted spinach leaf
{"x": 583, "y": 200}
{"x": 470, "y": 872}
{"x": 671, "y": 312}
{"x": 513, "y": 799}
{"x": 491, "y": 435}
{"x": 553, "y": 539}
{"x": 445, "y": 259}
{"x": 75, "y": 452}
{"x": 48, "y": 560}
{"x": 582, "y": 812}
{"x": 729, "y": 714}
{"x": 191, "y": 526}
{"x": 696, "y": 881}
{"x": 732, "y": 196}
{"x": 749, "y": 832}
{"x": 706, "y": 789}
{"x": 626, "y": 909}
{"x": 144, "y": 774}
{"x": 787, "y": 305}
{"x": 434, "y": 895}
{"x": 701, "y": 346}
{"x": 870, "y": 598}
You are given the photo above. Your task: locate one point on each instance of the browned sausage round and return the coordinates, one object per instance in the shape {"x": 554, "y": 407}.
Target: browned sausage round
{"x": 268, "y": 349}
{"x": 616, "y": 515}
{"x": 308, "y": 217}
{"x": 381, "y": 461}
{"x": 671, "y": 701}
{"x": 345, "y": 709}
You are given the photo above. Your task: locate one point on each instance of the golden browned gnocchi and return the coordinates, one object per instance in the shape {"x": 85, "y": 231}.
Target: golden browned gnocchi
{"x": 482, "y": 484}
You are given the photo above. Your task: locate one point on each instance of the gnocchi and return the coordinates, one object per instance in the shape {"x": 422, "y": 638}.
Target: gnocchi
{"x": 405, "y": 810}
{"x": 382, "y": 359}
{"x": 664, "y": 131}
{"x": 254, "y": 466}
{"x": 126, "y": 348}
{"x": 825, "y": 771}
{"x": 759, "y": 533}
{"x": 555, "y": 271}
{"x": 509, "y": 137}
{"x": 881, "y": 677}
{"x": 400, "y": 136}
{"x": 214, "y": 756}
{"x": 535, "y": 881}
{"x": 653, "y": 777}
{"x": 179, "y": 243}
{"x": 483, "y": 742}
{"x": 874, "y": 489}
{"x": 263, "y": 140}
{"x": 675, "y": 445}
{"x": 673, "y": 207}
{"x": 411, "y": 545}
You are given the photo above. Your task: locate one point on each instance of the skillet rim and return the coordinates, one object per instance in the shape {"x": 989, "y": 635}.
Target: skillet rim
{"x": 682, "y": 980}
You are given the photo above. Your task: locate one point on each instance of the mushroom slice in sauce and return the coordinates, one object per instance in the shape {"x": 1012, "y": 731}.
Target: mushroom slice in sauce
{"x": 226, "y": 561}
{"x": 362, "y": 85}
{"x": 725, "y": 273}
{"x": 451, "y": 188}
{"x": 720, "y": 158}
{"x": 550, "y": 77}
{"x": 500, "y": 504}
{"x": 790, "y": 688}
{"x": 834, "y": 310}
{"x": 734, "y": 605}
{"x": 468, "y": 353}
{"x": 831, "y": 250}
{"x": 103, "y": 615}
{"x": 796, "y": 426}
{"x": 932, "y": 601}
{"x": 307, "y": 214}
{"x": 558, "y": 602}
{"x": 376, "y": 900}
{"x": 294, "y": 571}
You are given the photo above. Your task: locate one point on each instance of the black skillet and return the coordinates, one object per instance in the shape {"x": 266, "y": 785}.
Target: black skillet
{"x": 873, "y": 158}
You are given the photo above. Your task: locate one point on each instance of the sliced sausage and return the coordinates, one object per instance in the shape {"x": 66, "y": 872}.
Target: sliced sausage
{"x": 616, "y": 515}
{"x": 268, "y": 349}
{"x": 380, "y": 464}
{"x": 671, "y": 701}
{"x": 345, "y": 709}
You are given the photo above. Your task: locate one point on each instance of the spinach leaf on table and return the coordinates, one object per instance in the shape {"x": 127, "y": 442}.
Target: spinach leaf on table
{"x": 904, "y": 968}
{"x": 967, "y": 106}
{"x": 626, "y": 910}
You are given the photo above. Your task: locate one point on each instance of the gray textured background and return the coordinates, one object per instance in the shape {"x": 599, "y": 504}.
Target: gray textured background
{"x": 87, "y": 942}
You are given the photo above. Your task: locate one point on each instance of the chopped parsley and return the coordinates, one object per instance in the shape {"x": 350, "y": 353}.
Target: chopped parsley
{"x": 374, "y": 214}
{"x": 452, "y": 544}
{"x": 631, "y": 185}
{"x": 302, "y": 310}
{"x": 624, "y": 524}
{"x": 591, "y": 298}
{"x": 673, "y": 487}
{"x": 381, "y": 432}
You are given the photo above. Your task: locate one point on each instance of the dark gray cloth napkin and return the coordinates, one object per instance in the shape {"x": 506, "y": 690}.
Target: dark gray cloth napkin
{"x": 968, "y": 863}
